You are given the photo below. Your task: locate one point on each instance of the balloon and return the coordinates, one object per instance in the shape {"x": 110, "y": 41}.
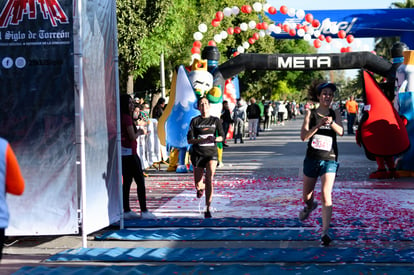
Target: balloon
{"x": 266, "y": 7}
{"x": 317, "y": 43}
{"x": 341, "y": 34}
{"x": 350, "y": 38}
{"x": 244, "y": 26}
{"x": 215, "y": 22}
{"x": 305, "y": 28}
{"x": 283, "y": 9}
{"x": 202, "y": 27}
{"x": 227, "y": 11}
{"x": 198, "y": 36}
{"x": 240, "y": 49}
{"x": 224, "y": 34}
{"x": 321, "y": 37}
{"x": 219, "y": 15}
{"x": 257, "y": 7}
{"x": 237, "y": 30}
{"x": 197, "y": 44}
{"x": 265, "y": 26}
{"x": 286, "y": 27}
{"x": 262, "y": 33}
{"x": 235, "y": 10}
{"x": 246, "y": 45}
{"x": 277, "y": 30}
{"x": 291, "y": 12}
{"x": 235, "y": 54}
{"x": 307, "y": 37}
{"x": 317, "y": 33}
{"x": 328, "y": 39}
{"x": 343, "y": 49}
{"x": 246, "y": 9}
{"x": 252, "y": 24}
{"x": 292, "y": 32}
{"x": 217, "y": 38}
{"x": 212, "y": 43}
{"x": 256, "y": 36}
{"x": 252, "y": 40}
{"x": 301, "y": 32}
{"x": 309, "y": 18}
{"x": 230, "y": 30}
{"x": 272, "y": 10}
{"x": 195, "y": 50}
{"x": 300, "y": 14}
{"x": 316, "y": 23}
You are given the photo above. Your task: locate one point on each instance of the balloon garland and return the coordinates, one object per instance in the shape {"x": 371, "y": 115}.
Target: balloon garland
{"x": 308, "y": 30}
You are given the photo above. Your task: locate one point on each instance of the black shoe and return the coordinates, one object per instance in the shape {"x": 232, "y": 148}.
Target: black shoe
{"x": 235, "y": 141}
{"x": 241, "y": 141}
{"x": 207, "y": 215}
{"x": 326, "y": 240}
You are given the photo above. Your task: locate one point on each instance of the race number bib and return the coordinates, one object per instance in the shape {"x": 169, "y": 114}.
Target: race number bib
{"x": 321, "y": 142}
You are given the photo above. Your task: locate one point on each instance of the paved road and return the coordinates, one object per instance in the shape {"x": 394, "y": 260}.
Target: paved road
{"x": 277, "y": 154}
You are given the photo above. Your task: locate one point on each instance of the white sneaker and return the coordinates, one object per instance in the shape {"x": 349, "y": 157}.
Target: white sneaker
{"x": 131, "y": 215}
{"x": 147, "y": 215}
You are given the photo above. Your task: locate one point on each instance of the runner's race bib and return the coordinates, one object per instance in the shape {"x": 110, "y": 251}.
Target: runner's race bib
{"x": 321, "y": 142}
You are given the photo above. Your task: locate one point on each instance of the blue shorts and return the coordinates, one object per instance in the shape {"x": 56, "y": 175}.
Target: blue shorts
{"x": 313, "y": 168}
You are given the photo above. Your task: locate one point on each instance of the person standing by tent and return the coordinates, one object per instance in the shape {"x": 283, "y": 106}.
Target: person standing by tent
{"x": 204, "y": 132}
{"x": 320, "y": 127}
{"x": 253, "y": 115}
{"x": 12, "y": 182}
{"x": 131, "y": 163}
{"x": 352, "y": 110}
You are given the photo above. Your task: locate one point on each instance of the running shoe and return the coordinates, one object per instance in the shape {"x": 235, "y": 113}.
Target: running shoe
{"x": 304, "y": 214}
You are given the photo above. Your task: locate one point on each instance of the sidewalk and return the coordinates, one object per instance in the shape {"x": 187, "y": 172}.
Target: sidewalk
{"x": 267, "y": 168}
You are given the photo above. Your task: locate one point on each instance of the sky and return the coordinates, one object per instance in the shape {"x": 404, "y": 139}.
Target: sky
{"x": 307, "y": 5}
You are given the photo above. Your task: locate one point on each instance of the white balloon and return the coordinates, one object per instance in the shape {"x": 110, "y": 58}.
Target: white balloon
{"x": 246, "y": 44}
{"x": 244, "y": 27}
{"x": 257, "y": 7}
{"x": 307, "y": 37}
{"x": 235, "y": 10}
{"x": 198, "y": 36}
{"x": 266, "y": 7}
{"x": 240, "y": 49}
{"x": 217, "y": 38}
{"x": 224, "y": 34}
{"x": 311, "y": 31}
{"x": 202, "y": 27}
{"x": 227, "y": 11}
{"x": 316, "y": 33}
{"x": 252, "y": 24}
{"x": 262, "y": 33}
{"x": 292, "y": 25}
{"x": 301, "y": 32}
{"x": 277, "y": 29}
{"x": 300, "y": 13}
{"x": 291, "y": 12}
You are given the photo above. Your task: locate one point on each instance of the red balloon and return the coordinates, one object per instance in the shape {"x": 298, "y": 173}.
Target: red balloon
{"x": 256, "y": 36}
{"x": 259, "y": 26}
{"x": 350, "y": 38}
{"x": 195, "y": 50}
{"x": 243, "y": 9}
{"x": 230, "y": 30}
{"x": 306, "y": 28}
{"x": 341, "y": 34}
{"x": 215, "y": 23}
{"x": 237, "y": 30}
{"x": 328, "y": 39}
{"x": 348, "y": 49}
{"x": 292, "y": 32}
{"x": 236, "y": 54}
{"x": 286, "y": 27}
{"x": 283, "y": 9}
{"x": 343, "y": 50}
{"x": 265, "y": 25}
{"x": 309, "y": 18}
{"x": 317, "y": 43}
{"x": 212, "y": 43}
{"x": 219, "y": 15}
{"x": 321, "y": 37}
{"x": 197, "y": 44}
{"x": 251, "y": 40}
{"x": 248, "y": 9}
{"x": 272, "y": 10}
{"x": 315, "y": 23}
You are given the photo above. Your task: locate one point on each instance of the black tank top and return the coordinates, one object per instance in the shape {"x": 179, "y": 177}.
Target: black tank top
{"x": 322, "y": 145}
